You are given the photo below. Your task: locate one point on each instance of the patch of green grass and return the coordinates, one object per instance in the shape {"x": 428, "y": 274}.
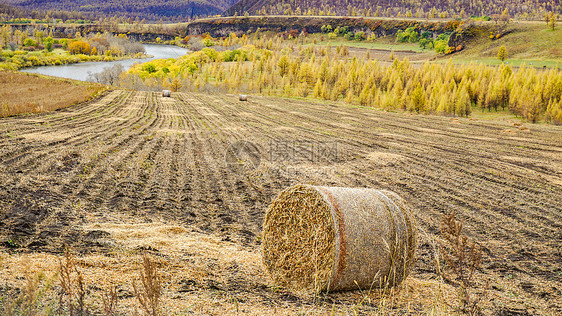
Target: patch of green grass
{"x": 383, "y": 44}
{"x": 525, "y": 42}
{"x": 493, "y": 115}
{"x": 537, "y": 63}
{"x": 500, "y": 115}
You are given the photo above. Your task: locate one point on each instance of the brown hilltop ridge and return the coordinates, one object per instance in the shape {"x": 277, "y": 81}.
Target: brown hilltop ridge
{"x": 177, "y": 10}
{"x": 532, "y": 9}
{"x": 151, "y": 10}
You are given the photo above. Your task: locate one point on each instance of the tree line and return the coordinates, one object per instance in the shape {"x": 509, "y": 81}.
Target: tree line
{"x": 39, "y": 47}
{"x": 270, "y": 67}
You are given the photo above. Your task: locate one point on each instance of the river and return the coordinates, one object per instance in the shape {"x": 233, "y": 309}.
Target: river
{"x": 81, "y": 71}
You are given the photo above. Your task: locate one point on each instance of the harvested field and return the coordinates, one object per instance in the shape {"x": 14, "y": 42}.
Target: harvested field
{"x": 133, "y": 172}
{"x": 28, "y": 93}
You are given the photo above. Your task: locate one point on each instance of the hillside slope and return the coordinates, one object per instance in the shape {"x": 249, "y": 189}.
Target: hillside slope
{"x": 147, "y": 9}
{"x": 526, "y": 9}
{"x": 29, "y": 93}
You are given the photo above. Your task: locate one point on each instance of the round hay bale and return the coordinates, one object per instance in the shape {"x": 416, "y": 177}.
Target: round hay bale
{"x": 243, "y": 97}
{"x": 166, "y": 93}
{"x": 332, "y": 239}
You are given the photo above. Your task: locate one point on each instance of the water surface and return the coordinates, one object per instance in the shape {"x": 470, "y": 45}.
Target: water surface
{"x": 81, "y": 71}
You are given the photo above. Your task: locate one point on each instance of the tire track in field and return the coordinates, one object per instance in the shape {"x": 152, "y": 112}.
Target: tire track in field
{"x": 223, "y": 209}
{"x": 244, "y": 197}
{"x": 55, "y": 153}
{"x": 84, "y": 179}
{"x": 88, "y": 184}
{"x": 236, "y": 191}
{"x": 104, "y": 183}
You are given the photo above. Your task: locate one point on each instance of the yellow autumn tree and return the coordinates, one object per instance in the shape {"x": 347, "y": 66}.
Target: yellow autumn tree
{"x": 79, "y": 47}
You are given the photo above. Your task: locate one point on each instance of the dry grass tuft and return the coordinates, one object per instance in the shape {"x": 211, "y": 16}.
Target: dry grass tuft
{"x": 73, "y": 295}
{"x": 109, "y": 301}
{"x": 298, "y": 239}
{"x": 27, "y": 93}
{"x": 462, "y": 258}
{"x": 32, "y": 298}
{"x": 151, "y": 291}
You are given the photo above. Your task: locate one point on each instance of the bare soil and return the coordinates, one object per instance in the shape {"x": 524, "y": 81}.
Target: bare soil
{"x": 133, "y": 172}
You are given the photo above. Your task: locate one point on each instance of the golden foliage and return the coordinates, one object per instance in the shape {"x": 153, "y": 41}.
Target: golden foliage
{"x": 79, "y": 47}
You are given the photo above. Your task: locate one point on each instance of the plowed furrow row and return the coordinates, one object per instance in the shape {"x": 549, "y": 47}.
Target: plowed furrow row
{"x": 207, "y": 145}
{"x": 457, "y": 158}
{"x": 102, "y": 169}
{"x": 64, "y": 116}
{"x": 453, "y": 157}
{"x": 25, "y": 153}
{"x": 235, "y": 187}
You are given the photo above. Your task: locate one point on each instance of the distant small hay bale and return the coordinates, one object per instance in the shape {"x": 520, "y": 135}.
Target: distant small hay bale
{"x": 243, "y": 97}
{"x": 166, "y": 93}
{"x": 331, "y": 238}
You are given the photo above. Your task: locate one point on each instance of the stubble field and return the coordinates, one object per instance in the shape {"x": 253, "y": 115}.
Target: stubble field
{"x": 133, "y": 172}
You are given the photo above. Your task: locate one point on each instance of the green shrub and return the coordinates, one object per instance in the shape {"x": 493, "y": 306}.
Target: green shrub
{"x": 359, "y": 36}
{"x": 29, "y": 42}
{"x": 149, "y": 68}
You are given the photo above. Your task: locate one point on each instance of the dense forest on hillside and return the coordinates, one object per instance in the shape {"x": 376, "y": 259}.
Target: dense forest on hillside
{"x": 151, "y": 10}
{"x": 13, "y": 14}
{"x": 181, "y": 11}
{"x": 525, "y": 9}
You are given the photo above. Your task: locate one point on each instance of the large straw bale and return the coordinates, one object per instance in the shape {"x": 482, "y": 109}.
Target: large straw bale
{"x": 330, "y": 238}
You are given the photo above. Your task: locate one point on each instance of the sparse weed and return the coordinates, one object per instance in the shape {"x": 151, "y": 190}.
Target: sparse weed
{"x": 109, "y": 300}
{"x": 32, "y": 299}
{"x": 462, "y": 258}
{"x": 149, "y": 294}
{"x": 73, "y": 295}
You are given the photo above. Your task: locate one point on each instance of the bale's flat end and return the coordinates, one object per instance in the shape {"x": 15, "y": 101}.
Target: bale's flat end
{"x": 298, "y": 245}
